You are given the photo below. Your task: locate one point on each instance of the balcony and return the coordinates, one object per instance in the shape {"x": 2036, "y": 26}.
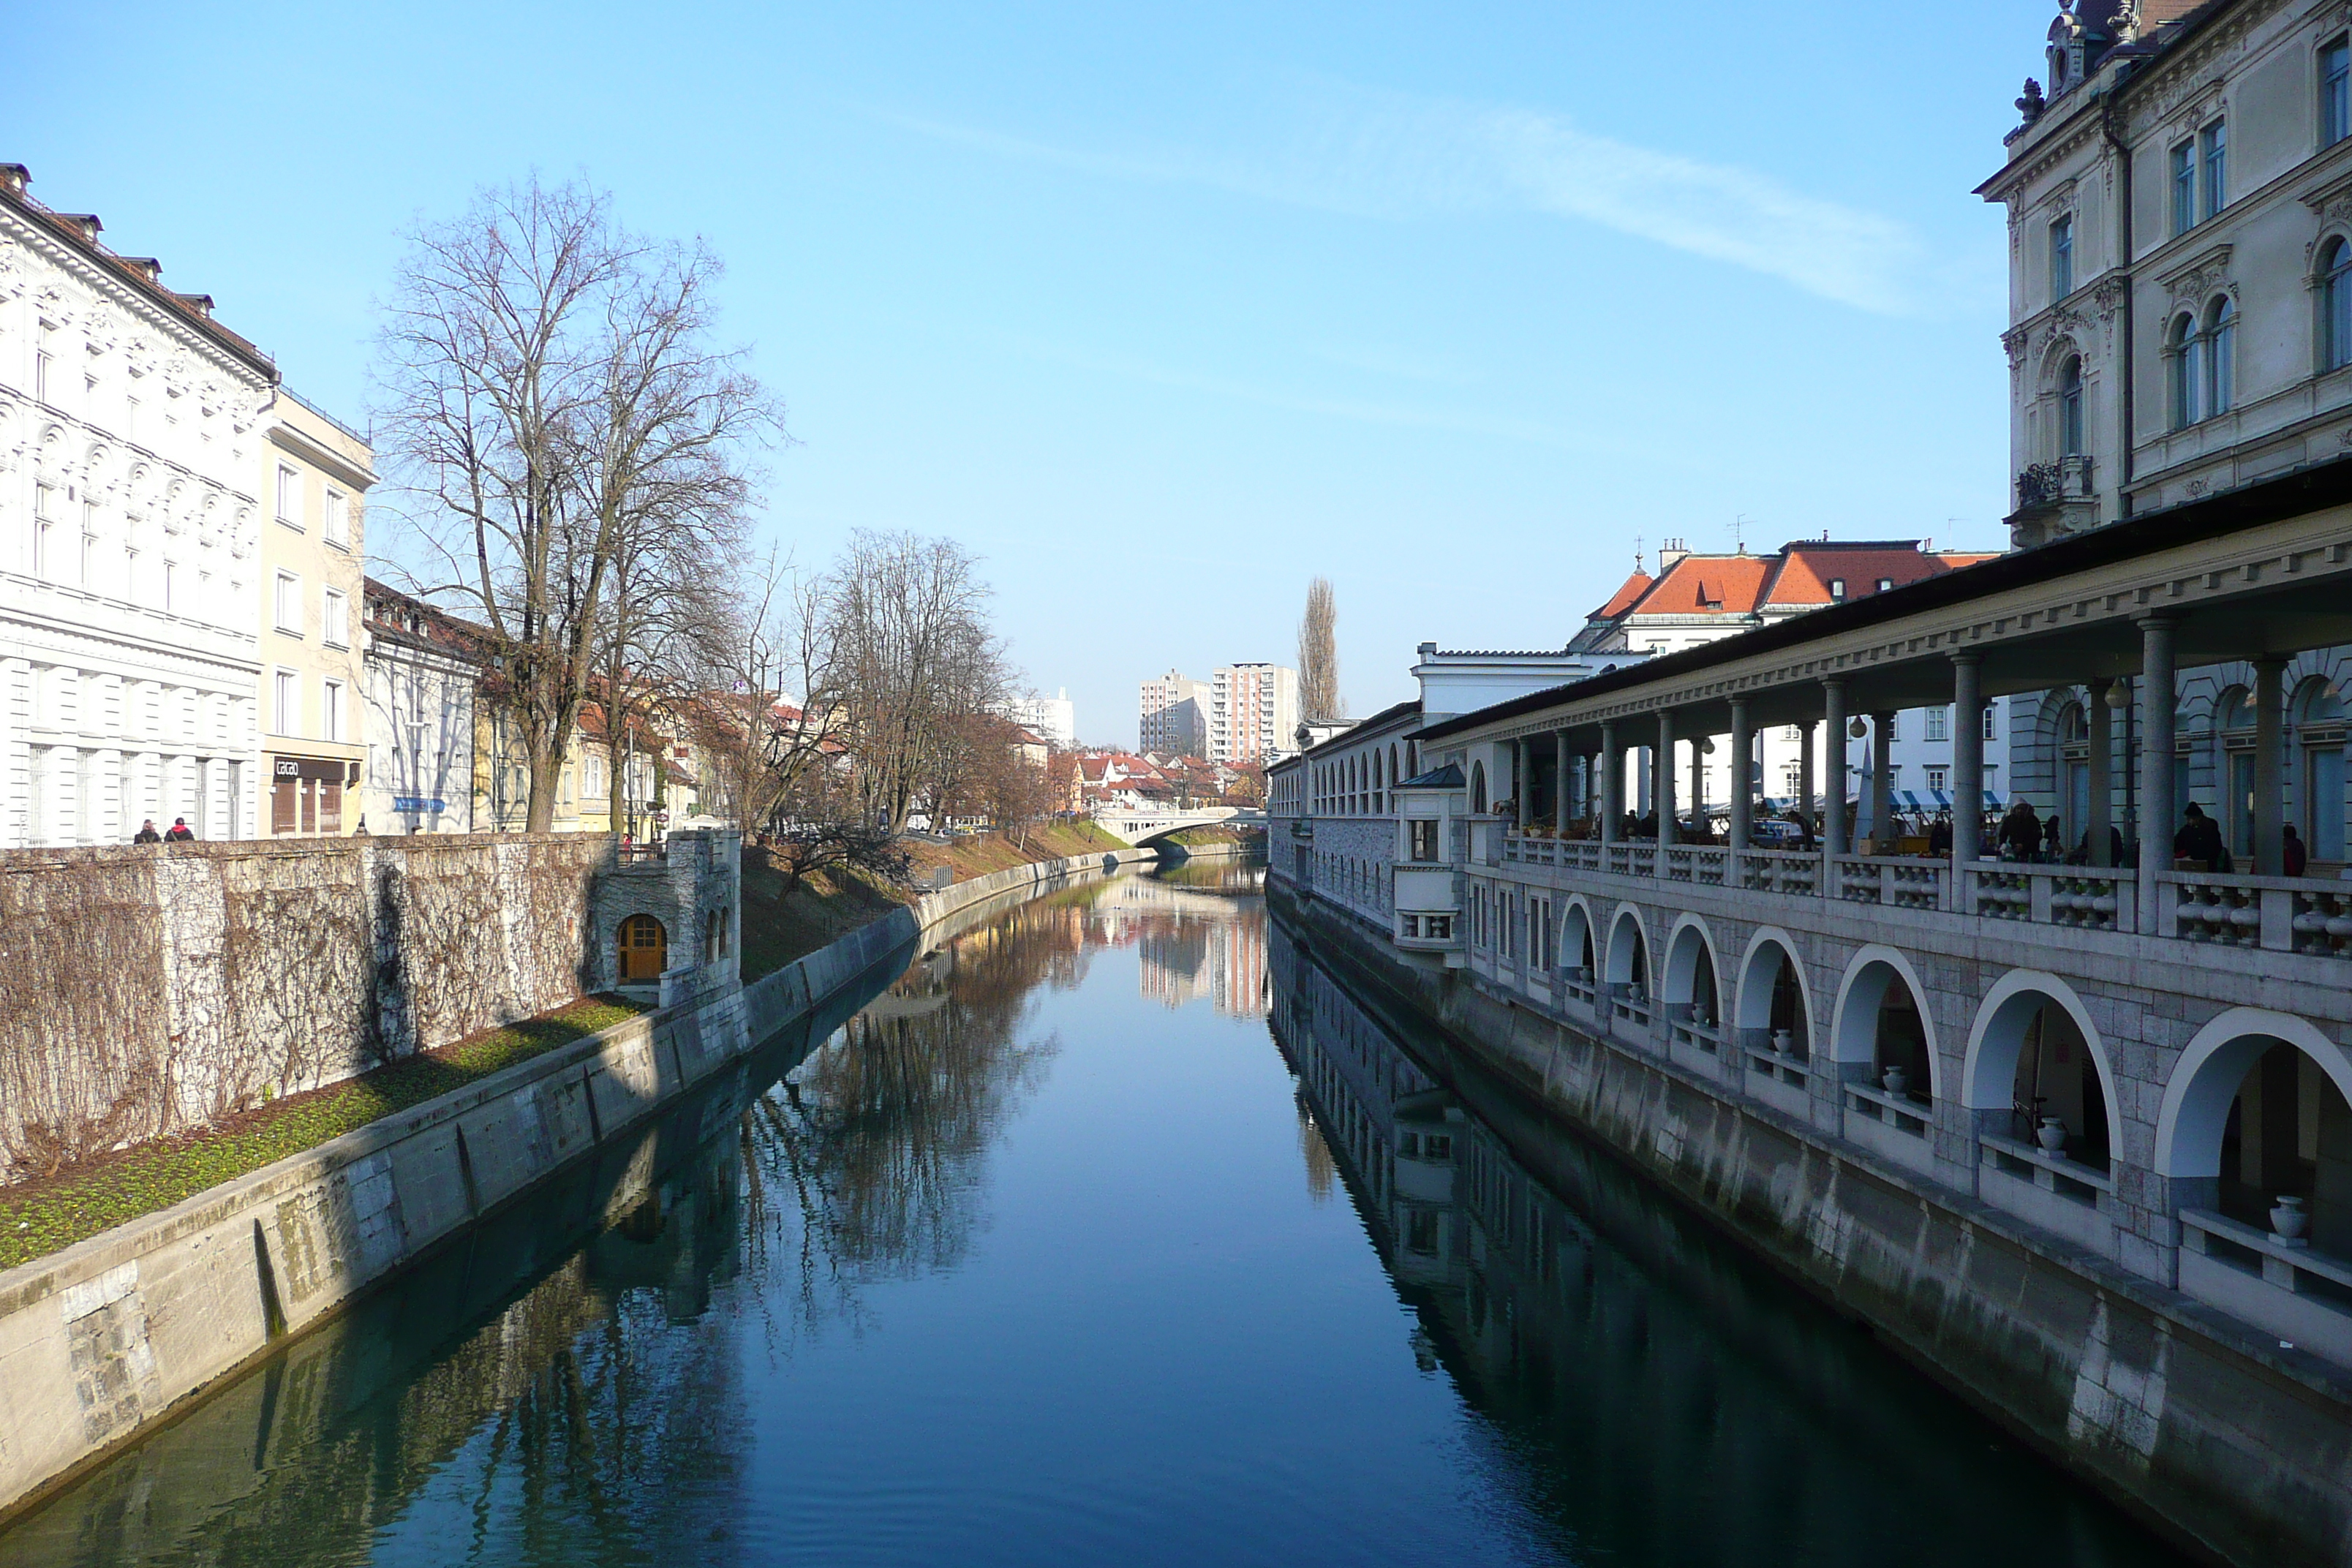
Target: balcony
{"x": 2053, "y": 500}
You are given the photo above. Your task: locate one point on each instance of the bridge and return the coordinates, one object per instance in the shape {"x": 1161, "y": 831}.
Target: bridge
{"x": 1140, "y": 826}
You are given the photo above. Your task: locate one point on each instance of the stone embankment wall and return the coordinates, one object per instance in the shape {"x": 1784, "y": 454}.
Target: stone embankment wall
{"x": 98, "y": 1342}
{"x": 146, "y": 991}
{"x": 2237, "y": 1448}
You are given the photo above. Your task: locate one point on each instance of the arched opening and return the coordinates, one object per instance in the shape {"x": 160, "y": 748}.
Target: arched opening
{"x": 2335, "y": 306}
{"x": 643, "y": 950}
{"x": 2263, "y": 1129}
{"x": 2186, "y": 355}
{"x": 1628, "y": 959}
{"x": 2070, "y": 407}
{"x": 2219, "y": 394}
{"x": 2034, "y": 1074}
{"x": 1478, "y": 789}
{"x": 1880, "y": 1023}
{"x": 1576, "y": 940}
{"x": 1772, "y": 1014}
{"x": 1691, "y": 989}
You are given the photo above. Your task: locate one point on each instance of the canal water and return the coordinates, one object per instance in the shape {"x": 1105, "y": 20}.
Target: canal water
{"x": 1113, "y": 1231}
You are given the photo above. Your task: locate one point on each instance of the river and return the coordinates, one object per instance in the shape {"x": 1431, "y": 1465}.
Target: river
{"x": 1112, "y": 1231}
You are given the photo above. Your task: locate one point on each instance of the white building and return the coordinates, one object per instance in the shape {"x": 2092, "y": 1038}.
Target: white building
{"x": 1054, "y": 718}
{"x": 1253, "y": 709}
{"x": 2179, "y": 207}
{"x": 1697, "y": 599}
{"x": 129, "y": 529}
{"x": 420, "y": 671}
{"x": 1173, "y": 716}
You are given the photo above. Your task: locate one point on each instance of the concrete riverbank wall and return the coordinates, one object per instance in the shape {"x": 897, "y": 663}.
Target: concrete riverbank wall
{"x": 148, "y": 990}
{"x": 2230, "y": 1443}
{"x": 103, "y": 1342}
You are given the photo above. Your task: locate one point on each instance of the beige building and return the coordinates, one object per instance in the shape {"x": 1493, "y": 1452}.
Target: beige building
{"x": 315, "y": 473}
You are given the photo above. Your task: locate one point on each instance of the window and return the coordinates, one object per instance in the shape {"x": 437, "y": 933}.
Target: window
{"x": 2184, "y": 188}
{"x": 2335, "y": 306}
{"x": 43, "y": 527}
{"x": 286, "y": 604}
{"x": 339, "y": 519}
{"x": 1992, "y": 717}
{"x": 1939, "y": 723}
{"x": 1437, "y": 927}
{"x": 2062, "y": 257}
{"x": 330, "y": 712}
{"x": 2334, "y": 92}
{"x": 2070, "y": 408}
{"x": 170, "y": 585}
{"x": 1938, "y": 777}
{"x": 42, "y": 361}
{"x": 1895, "y": 726}
{"x": 2214, "y": 144}
{"x": 1412, "y": 926}
{"x": 1424, "y": 840}
{"x": 335, "y": 616}
{"x": 286, "y": 702}
{"x": 1885, "y": 584}
{"x": 2188, "y": 372}
{"x": 2220, "y": 355}
{"x": 1837, "y": 588}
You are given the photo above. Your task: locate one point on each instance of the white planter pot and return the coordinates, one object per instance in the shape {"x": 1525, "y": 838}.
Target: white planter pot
{"x": 2289, "y": 1218}
{"x": 1784, "y": 1042}
{"x": 1895, "y": 1079}
{"x": 2050, "y": 1135}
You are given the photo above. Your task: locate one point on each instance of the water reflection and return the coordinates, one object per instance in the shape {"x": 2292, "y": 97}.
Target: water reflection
{"x": 1656, "y": 1398}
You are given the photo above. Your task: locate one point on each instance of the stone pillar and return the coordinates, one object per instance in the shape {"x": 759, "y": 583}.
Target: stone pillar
{"x": 2269, "y": 788}
{"x": 2158, "y": 811}
{"x": 1968, "y": 760}
{"x": 2100, "y": 720}
{"x": 1612, "y": 783}
{"x": 1881, "y": 779}
{"x": 1560, "y": 784}
{"x": 1807, "y": 735}
{"x": 1662, "y": 785}
{"x": 1833, "y": 824}
{"x": 1523, "y": 778}
{"x": 1743, "y": 796}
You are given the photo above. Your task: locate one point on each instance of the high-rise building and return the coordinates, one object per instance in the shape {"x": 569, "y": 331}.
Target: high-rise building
{"x": 1055, "y": 718}
{"x": 1253, "y": 709}
{"x": 1174, "y": 715}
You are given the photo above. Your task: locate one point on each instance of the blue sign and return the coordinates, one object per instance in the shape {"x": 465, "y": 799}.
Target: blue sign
{"x": 417, "y": 803}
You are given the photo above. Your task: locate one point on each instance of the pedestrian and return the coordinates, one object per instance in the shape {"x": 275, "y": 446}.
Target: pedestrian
{"x": 178, "y": 834}
{"x": 2021, "y": 832}
{"x": 2054, "y": 842}
{"x": 2296, "y": 856}
{"x": 1939, "y": 835}
{"x": 2199, "y": 839}
{"x": 147, "y": 834}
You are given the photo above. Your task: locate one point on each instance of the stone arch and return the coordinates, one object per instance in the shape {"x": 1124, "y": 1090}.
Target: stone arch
{"x": 1862, "y": 1006}
{"x": 2197, "y": 1097}
{"x": 1996, "y": 1040}
{"x": 1628, "y": 956}
{"x": 1693, "y": 977}
{"x": 1580, "y": 944}
{"x": 1763, "y": 999}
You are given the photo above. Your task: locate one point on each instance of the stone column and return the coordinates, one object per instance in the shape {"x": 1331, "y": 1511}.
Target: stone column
{"x": 1805, "y": 771}
{"x": 2099, "y": 718}
{"x": 1967, "y": 762}
{"x": 1523, "y": 778}
{"x": 1662, "y": 785}
{"x": 1743, "y": 799}
{"x": 1560, "y": 784}
{"x": 2157, "y": 810}
{"x": 1833, "y": 824}
{"x": 1612, "y": 783}
{"x": 2269, "y": 788}
{"x": 1882, "y": 778}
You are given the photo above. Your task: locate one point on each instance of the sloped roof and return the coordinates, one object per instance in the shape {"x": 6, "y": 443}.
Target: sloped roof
{"x": 1623, "y": 598}
{"x": 1708, "y": 584}
{"x": 1447, "y": 777}
{"x": 1807, "y": 568}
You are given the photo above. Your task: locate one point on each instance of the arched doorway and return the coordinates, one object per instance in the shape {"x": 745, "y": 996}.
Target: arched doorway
{"x": 643, "y": 949}
{"x": 1628, "y": 968}
{"x": 1880, "y": 1023}
{"x": 1772, "y": 1013}
{"x": 1693, "y": 997}
{"x": 1576, "y": 946}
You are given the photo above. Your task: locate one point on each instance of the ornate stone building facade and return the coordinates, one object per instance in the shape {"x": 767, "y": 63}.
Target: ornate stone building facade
{"x": 130, "y": 438}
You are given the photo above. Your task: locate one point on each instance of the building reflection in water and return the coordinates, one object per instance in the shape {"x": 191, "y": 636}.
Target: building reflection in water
{"x": 1199, "y": 931}
{"x": 1658, "y": 1396}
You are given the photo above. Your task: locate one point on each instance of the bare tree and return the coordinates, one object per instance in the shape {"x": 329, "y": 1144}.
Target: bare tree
{"x": 1319, "y": 702}
{"x": 567, "y": 430}
{"x": 904, "y": 645}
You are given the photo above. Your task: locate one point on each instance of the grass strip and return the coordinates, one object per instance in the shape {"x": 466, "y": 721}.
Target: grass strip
{"x": 122, "y": 1186}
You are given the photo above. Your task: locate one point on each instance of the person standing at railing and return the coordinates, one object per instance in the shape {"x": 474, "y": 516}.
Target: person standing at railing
{"x": 1939, "y": 836}
{"x": 2021, "y": 832}
{"x": 2199, "y": 839}
{"x": 2296, "y": 856}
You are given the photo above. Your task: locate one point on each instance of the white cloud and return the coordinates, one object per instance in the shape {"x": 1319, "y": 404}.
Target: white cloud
{"x": 1392, "y": 157}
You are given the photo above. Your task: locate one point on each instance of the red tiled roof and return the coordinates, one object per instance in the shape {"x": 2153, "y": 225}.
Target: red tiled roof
{"x": 1708, "y": 584}
{"x": 1807, "y": 568}
{"x": 1622, "y": 599}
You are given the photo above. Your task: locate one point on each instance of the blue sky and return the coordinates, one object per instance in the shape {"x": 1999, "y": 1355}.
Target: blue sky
{"x": 1164, "y": 310}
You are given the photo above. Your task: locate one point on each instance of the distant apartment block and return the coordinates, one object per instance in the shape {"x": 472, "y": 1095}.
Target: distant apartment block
{"x": 1054, "y": 718}
{"x": 1253, "y": 709}
{"x": 1173, "y": 716}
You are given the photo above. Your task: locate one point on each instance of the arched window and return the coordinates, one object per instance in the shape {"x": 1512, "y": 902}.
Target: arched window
{"x": 2319, "y": 731}
{"x": 2220, "y": 357}
{"x": 2187, "y": 371}
{"x": 1477, "y": 789}
{"x": 2336, "y": 306}
{"x": 2070, "y": 408}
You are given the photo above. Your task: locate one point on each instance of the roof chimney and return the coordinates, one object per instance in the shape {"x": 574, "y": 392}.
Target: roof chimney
{"x": 16, "y": 176}
{"x": 1669, "y": 551}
